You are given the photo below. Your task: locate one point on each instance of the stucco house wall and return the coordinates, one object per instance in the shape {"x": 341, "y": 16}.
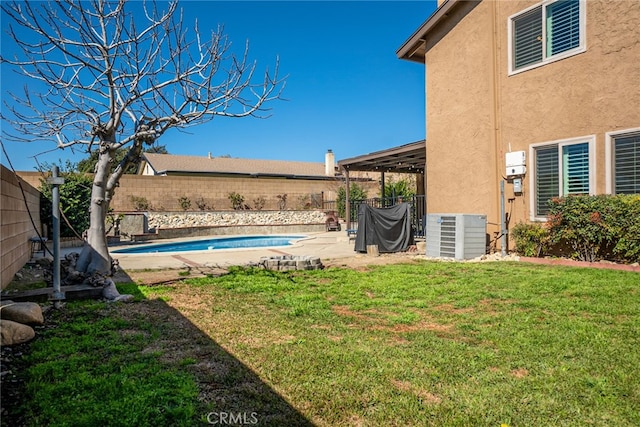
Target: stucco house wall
{"x": 477, "y": 110}
{"x": 461, "y": 167}
{"x": 586, "y": 95}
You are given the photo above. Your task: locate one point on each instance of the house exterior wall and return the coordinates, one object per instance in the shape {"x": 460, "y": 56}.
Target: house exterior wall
{"x": 477, "y": 112}
{"x": 586, "y": 95}
{"x": 163, "y": 192}
{"x": 15, "y": 247}
{"x": 461, "y": 169}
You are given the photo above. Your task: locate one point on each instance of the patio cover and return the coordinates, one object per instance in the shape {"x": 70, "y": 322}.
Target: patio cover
{"x": 408, "y": 158}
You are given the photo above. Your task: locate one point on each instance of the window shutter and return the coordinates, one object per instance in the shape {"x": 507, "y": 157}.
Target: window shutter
{"x": 547, "y": 178}
{"x": 527, "y": 30}
{"x": 627, "y": 165}
{"x": 575, "y": 168}
{"x": 563, "y": 26}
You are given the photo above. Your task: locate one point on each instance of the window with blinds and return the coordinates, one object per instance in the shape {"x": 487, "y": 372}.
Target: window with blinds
{"x": 575, "y": 169}
{"x": 626, "y": 162}
{"x": 547, "y": 178}
{"x": 560, "y": 170}
{"x": 547, "y": 32}
{"x": 527, "y": 34}
{"x": 563, "y": 26}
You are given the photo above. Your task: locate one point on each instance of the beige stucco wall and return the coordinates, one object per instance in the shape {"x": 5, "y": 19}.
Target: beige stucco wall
{"x": 476, "y": 112}
{"x": 16, "y": 226}
{"x": 461, "y": 170}
{"x": 591, "y": 93}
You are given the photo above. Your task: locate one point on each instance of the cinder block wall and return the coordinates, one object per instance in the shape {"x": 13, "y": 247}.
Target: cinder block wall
{"x": 163, "y": 192}
{"x": 15, "y": 247}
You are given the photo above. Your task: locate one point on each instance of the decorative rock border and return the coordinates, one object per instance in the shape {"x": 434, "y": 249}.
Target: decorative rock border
{"x": 233, "y": 218}
{"x": 291, "y": 262}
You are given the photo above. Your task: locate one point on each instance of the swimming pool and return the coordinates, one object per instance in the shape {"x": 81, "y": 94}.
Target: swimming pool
{"x": 212, "y": 244}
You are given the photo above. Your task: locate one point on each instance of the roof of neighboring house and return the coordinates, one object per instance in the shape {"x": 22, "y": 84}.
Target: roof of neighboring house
{"x": 172, "y": 164}
{"x": 414, "y": 48}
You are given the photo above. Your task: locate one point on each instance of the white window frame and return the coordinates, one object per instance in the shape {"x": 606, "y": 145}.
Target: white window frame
{"x": 609, "y": 171}
{"x": 546, "y": 59}
{"x": 590, "y": 139}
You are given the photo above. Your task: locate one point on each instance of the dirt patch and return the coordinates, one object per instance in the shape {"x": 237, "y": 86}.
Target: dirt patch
{"x": 426, "y": 397}
{"x": 361, "y": 262}
{"x": 379, "y": 321}
{"x": 520, "y": 373}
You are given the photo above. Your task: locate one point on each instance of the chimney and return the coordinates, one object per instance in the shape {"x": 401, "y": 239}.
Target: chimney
{"x": 329, "y": 163}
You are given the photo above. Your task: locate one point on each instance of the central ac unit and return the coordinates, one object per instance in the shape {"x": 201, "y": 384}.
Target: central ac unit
{"x": 459, "y": 236}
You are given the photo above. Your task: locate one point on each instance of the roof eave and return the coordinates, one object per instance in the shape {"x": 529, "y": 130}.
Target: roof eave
{"x": 414, "y": 48}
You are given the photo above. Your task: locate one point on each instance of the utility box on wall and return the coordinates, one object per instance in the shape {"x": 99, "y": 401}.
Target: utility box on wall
{"x": 459, "y": 236}
{"x": 515, "y": 162}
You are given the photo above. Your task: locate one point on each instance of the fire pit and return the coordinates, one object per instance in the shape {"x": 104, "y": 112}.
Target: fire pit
{"x": 291, "y": 262}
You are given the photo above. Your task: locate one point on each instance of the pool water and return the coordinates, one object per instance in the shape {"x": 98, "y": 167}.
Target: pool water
{"x": 213, "y": 244}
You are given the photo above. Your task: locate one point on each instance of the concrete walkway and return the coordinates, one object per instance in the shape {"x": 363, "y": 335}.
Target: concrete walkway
{"x": 326, "y": 245}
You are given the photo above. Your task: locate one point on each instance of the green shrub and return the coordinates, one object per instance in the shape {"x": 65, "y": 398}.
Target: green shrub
{"x": 185, "y": 203}
{"x": 140, "y": 203}
{"x": 237, "y": 200}
{"x": 75, "y": 200}
{"x": 355, "y": 193}
{"x": 531, "y": 240}
{"x": 597, "y": 227}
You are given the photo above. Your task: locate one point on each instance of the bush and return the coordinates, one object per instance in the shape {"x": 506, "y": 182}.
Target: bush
{"x": 259, "y": 202}
{"x": 597, "y": 227}
{"x": 185, "y": 203}
{"x": 237, "y": 201}
{"x": 75, "y": 200}
{"x": 140, "y": 203}
{"x": 282, "y": 201}
{"x": 202, "y": 204}
{"x": 355, "y": 193}
{"x": 531, "y": 240}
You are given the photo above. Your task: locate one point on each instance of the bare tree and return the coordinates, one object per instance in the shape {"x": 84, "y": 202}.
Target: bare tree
{"x": 113, "y": 77}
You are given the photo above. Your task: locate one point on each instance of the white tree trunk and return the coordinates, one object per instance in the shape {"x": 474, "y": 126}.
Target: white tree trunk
{"x": 95, "y": 258}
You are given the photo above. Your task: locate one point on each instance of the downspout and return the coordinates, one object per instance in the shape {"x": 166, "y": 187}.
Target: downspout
{"x": 497, "y": 133}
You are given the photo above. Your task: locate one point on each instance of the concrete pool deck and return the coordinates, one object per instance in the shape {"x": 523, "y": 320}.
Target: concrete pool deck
{"x": 326, "y": 245}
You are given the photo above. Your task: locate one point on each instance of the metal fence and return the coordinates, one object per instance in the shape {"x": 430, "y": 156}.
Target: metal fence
{"x": 418, "y": 210}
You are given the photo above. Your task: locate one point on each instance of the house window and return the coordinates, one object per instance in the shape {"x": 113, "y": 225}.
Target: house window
{"x": 561, "y": 169}
{"x": 547, "y": 32}
{"x": 625, "y": 163}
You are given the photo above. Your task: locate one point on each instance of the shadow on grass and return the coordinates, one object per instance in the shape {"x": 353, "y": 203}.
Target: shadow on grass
{"x": 86, "y": 347}
{"x": 229, "y": 391}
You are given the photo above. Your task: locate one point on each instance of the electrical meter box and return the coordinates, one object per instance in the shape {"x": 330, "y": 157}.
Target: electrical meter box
{"x": 515, "y": 162}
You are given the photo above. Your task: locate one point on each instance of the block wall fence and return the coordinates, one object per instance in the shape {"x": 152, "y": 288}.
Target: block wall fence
{"x": 163, "y": 192}
{"x": 16, "y": 227}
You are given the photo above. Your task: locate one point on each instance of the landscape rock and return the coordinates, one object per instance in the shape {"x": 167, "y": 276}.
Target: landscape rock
{"x": 29, "y": 313}
{"x": 201, "y": 219}
{"x": 13, "y": 333}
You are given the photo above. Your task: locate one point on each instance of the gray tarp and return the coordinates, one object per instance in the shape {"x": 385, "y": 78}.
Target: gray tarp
{"x": 389, "y": 228}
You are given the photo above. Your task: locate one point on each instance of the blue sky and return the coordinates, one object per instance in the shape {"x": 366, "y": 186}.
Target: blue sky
{"x": 346, "y": 90}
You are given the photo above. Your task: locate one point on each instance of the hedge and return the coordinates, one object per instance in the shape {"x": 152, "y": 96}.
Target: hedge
{"x": 587, "y": 228}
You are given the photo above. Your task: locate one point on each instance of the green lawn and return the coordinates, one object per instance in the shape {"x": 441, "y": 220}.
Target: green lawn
{"x": 424, "y": 343}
